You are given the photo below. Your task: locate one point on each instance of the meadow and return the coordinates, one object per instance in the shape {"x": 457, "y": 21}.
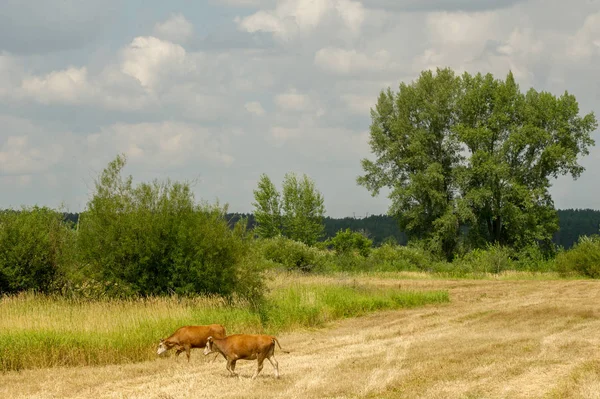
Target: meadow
{"x": 38, "y": 331}
{"x": 511, "y": 335}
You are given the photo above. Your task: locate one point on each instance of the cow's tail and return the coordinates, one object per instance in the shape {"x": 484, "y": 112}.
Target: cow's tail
{"x": 275, "y": 340}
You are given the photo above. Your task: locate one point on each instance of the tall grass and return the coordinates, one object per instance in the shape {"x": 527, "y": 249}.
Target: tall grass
{"x": 44, "y": 331}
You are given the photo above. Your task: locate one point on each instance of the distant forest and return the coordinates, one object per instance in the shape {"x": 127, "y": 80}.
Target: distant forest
{"x": 380, "y": 228}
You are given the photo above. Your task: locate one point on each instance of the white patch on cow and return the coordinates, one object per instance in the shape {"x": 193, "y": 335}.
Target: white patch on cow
{"x": 162, "y": 348}
{"x": 208, "y": 348}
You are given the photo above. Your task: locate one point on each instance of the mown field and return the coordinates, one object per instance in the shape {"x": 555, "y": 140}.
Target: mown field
{"x": 502, "y": 337}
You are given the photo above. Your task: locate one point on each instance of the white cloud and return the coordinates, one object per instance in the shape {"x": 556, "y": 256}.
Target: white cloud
{"x": 291, "y": 18}
{"x": 24, "y": 148}
{"x": 176, "y": 29}
{"x": 344, "y": 62}
{"x": 164, "y": 145}
{"x": 321, "y": 144}
{"x": 66, "y": 86}
{"x": 359, "y": 104}
{"x": 148, "y": 59}
{"x": 254, "y": 107}
{"x": 461, "y": 28}
{"x": 292, "y": 100}
{"x": 586, "y": 41}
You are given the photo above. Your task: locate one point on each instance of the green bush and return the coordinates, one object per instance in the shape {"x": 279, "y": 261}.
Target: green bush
{"x": 346, "y": 241}
{"x": 582, "y": 259}
{"x": 292, "y": 255}
{"x": 33, "y": 246}
{"x": 153, "y": 239}
{"x": 494, "y": 259}
{"x": 391, "y": 257}
{"x": 534, "y": 259}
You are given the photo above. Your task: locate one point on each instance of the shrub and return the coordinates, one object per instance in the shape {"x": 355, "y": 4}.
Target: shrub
{"x": 346, "y": 241}
{"x": 292, "y": 255}
{"x": 33, "y": 245}
{"x": 494, "y": 259}
{"x": 154, "y": 239}
{"x": 390, "y": 257}
{"x": 582, "y": 259}
{"x": 534, "y": 259}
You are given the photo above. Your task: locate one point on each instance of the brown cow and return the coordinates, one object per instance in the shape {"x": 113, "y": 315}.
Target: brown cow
{"x": 245, "y": 347}
{"x": 188, "y": 337}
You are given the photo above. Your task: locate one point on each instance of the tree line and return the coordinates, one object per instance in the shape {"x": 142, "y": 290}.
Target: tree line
{"x": 573, "y": 223}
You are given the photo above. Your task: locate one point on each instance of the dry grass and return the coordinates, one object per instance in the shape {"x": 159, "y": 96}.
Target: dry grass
{"x": 42, "y": 332}
{"x": 496, "y": 339}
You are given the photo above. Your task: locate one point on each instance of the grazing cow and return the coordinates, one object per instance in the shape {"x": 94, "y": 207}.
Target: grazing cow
{"x": 188, "y": 337}
{"x": 245, "y": 347}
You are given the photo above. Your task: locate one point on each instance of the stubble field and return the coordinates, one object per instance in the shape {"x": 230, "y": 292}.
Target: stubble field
{"x": 495, "y": 339}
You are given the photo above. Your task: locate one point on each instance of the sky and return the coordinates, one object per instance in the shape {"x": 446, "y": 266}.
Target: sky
{"x": 217, "y": 92}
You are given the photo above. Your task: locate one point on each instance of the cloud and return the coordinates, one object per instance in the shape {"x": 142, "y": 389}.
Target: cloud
{"x": 67, "y": 86}
{"x": 176, "y": 29}
{"x": 148, "y": 58}
{"x": 293, "y": 18}
{"x": 292, "y": 100}
{"x": 586, "y": 41}
{"x": 25, "y": 149}
{"x": 445, "y": 5}
{"x": 161, "y": 145}
{"x": 254, "y": 107}
{"x": 359, "y": 104}
{"x": 345, "y": 62}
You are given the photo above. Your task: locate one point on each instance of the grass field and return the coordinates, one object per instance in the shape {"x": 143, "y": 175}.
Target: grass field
{"x": 38, "y": 332}
{"x": 495, "y": 339}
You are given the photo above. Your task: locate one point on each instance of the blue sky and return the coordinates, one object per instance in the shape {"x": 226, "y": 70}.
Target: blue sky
{"x": 221, "y": 91}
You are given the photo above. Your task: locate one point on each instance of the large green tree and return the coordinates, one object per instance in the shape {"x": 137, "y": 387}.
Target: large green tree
{"x": 473, "y": 150}
{"x": 417, "y": 153}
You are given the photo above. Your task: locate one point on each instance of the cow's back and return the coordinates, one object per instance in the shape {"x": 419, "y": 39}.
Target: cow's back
{"x": 196, "y": 336}
{"x": 248, "y": 343}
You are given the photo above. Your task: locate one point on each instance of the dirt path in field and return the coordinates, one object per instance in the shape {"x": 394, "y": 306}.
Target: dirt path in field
{"x": 496, "y": 339}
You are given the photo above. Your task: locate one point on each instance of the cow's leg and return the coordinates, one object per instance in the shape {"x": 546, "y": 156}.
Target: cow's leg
{"x": 260, "y": 359}
{"x": 233, "y": 367}
{"x": 188, "y": 349}
{"x": 275, "y": 365}
{"x": 178, "y": 350}
{"x": 229, "y": 368}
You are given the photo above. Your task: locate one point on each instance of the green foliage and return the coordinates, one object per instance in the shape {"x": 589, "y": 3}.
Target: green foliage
{"x": 583, "y": 259}
{"x": 302, "y": 205}
{"x": 346, "y": 241}
{"x": 34, "y": 245}
{"x": 575, "y": 223}
{"x": 267, "y": 210}
{"x": 474, "y": 151}
{"x": 379, "y": 228}
{"x": 417, "y": 153}
{"x": 494, "y": 259}
{"x": 292, "y": 255}
{"x": 153, "y": 239}
{"x": 304, "y": 208}
{"x": 391, "y": 257}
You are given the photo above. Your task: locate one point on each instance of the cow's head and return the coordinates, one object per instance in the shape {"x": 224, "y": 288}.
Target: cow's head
{"x": 208, "y": 348}
{"x": 162, "y": 347}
